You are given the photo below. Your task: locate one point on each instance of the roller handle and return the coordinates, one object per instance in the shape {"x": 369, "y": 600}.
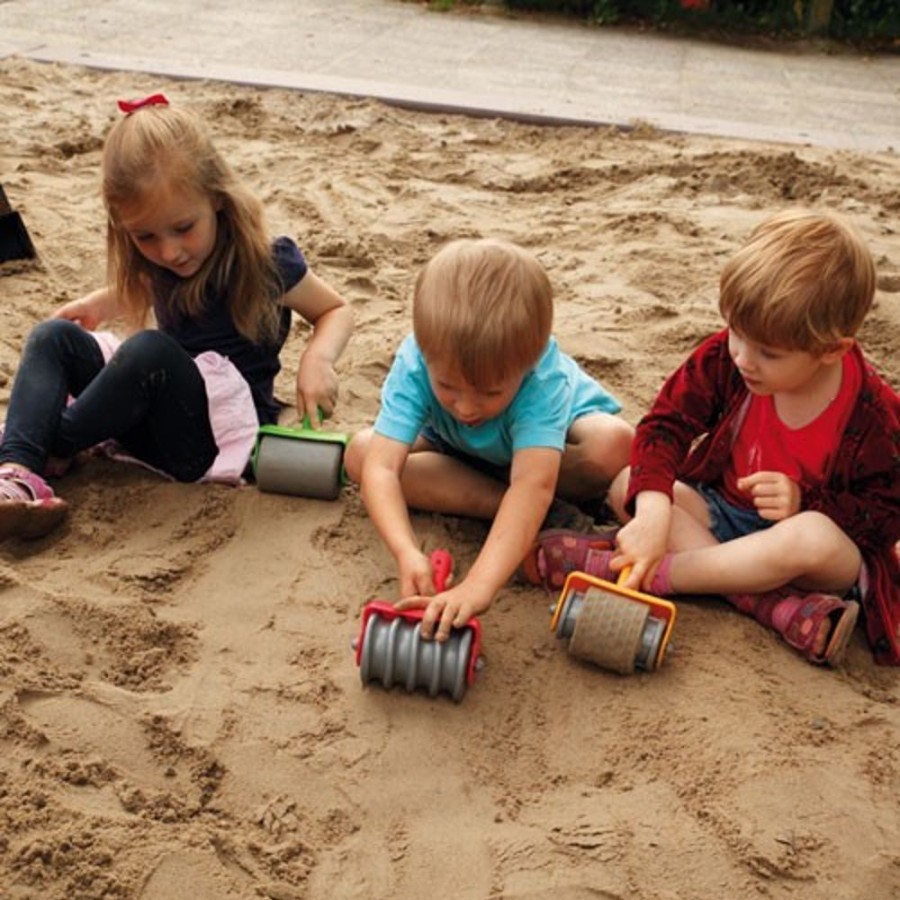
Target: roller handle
{"x": 441, "y": 569}
{"x": 306, "y": 422}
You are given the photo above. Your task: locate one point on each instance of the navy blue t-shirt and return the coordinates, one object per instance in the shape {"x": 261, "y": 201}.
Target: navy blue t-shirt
{"x": 214, "y": 329}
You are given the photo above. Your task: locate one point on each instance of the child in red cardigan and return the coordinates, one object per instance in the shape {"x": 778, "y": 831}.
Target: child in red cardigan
{"x": 768, "y": 469}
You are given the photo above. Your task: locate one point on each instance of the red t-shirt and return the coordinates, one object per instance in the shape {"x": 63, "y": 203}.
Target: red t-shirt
{"x": 766, "y": 444}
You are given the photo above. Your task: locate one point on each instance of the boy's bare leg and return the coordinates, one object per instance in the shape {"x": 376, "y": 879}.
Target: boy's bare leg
{"x": 435, "y": 482}
{"x": 439, "y": 483}
{"x": 760, "y": 562}
{"x": 807, "y": 550}
{"x": 597, "y": 449}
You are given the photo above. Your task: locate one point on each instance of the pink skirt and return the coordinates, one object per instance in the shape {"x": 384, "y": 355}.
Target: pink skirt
{"x": 232, "y": 414}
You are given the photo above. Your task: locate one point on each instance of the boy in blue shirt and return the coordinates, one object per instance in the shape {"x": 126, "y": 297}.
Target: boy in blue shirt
{"x": 482, "y": 415}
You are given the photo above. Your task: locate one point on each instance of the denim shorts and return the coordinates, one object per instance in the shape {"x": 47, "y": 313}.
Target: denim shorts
{"x": 727, "y": 521}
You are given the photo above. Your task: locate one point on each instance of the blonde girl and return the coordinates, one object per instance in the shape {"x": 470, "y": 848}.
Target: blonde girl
{"x": 187, "y": 246}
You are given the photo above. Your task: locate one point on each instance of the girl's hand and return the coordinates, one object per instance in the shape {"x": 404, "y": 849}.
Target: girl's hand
{"x": 450, "y": 609}
{"x": 317, "y": 388}
{"x": 92, "y": 310}
{"x": 332, "y": 320}
{"x": 85, "y": 311}
{"x": 774, "y": 495}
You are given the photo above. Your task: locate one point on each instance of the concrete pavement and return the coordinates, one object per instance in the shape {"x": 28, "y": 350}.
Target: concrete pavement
{"x": 484, "y": 62}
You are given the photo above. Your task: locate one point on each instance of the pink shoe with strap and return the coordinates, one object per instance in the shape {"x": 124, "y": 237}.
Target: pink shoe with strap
{"x": 799, "y": 618}
{"x": 28, "y": 507}
{"x": 559, "y": 551}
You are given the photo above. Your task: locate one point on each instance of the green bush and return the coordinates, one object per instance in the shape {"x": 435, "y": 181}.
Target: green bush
{"x": 866, "y": 19}
{"x": 851, "y": 20}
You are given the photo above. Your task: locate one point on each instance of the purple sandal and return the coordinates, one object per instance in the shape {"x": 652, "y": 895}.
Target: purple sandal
{"x": 28, "y": 507}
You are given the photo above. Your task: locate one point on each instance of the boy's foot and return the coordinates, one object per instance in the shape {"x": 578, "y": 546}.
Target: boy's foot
{"x": 818, "y": 625}
{"x": 598, "y": 509}
{"x": 28, "y": 507}
{"x": 563, "y": 514}
{"x": 559, "y": 551}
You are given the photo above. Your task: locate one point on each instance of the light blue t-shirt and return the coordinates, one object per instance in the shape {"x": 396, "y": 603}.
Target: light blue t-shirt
{"x": 551, "y": 397}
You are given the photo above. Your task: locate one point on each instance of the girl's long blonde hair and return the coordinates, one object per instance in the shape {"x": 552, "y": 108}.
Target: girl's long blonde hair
{"x": 163, "y": 145}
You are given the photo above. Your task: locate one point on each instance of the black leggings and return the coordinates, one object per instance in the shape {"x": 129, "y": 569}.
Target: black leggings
{"x": 150, "y": 397}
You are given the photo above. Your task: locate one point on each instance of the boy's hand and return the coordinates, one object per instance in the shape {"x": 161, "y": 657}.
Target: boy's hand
{"x": 450, "y": 609}
{"x": 416, "y": 576}
{"x": 774, "y": 495}
{"x": 642, "y": 542}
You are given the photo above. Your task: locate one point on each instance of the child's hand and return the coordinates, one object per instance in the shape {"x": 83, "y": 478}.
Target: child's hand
{"x": 317, "y": 388}
{"x": 642, "y": 542}
{"x": 416, "y": 576}
{"x": 450, "y": 609}
{"x": 87, "y": 312}
{"x": 332, "y": 321}
{"x": 774, "y": 495}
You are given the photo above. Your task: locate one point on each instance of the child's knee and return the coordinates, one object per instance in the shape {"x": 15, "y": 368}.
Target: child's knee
{"x": 51, "y": 332}
{"x": 614, "y": 438}
{"x": 617, "y": 491}
{"x": 147, "y": 351}
{"x": 355, "y": 454}
{"x": 623, "y": 438}
{"x": 815, "y": 542}
{"x": 598, "y": 448}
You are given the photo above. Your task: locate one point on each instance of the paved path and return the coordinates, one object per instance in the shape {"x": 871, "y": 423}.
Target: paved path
{"x": 485, "y": 62}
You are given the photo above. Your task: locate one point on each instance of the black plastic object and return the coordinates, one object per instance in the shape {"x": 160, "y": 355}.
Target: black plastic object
{"x": 15, "y": 242}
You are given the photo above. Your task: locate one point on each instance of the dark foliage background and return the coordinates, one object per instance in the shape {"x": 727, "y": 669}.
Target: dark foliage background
{"x": 873, "y": 21}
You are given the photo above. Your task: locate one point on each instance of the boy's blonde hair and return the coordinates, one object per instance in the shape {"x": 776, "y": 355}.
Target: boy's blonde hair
{"x": 803, "y": 281}
{"x": 165, "y": 145}
{"x": 487, "y": 305}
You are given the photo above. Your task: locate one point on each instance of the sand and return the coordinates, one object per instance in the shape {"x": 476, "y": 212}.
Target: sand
{"x": 181, "y": 715}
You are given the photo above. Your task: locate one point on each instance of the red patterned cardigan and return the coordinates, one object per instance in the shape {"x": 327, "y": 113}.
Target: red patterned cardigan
{"x": 689, "y": 432}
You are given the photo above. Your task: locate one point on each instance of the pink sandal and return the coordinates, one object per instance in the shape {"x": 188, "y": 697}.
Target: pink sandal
{"x": 798, "y": 619}
{"x": 806, "y": 618}
{"x": 28, "y": 507}
{"x": 559, "y": 551}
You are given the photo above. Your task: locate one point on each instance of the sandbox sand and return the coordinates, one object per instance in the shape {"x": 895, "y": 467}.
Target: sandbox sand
{"x": 180, "y": 711}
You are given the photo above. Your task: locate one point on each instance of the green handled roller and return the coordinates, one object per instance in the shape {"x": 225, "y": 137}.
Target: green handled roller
{"x": 299, "y": 460}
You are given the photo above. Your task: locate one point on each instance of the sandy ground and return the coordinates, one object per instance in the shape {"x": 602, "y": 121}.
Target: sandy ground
{"x": 180, "y": 712}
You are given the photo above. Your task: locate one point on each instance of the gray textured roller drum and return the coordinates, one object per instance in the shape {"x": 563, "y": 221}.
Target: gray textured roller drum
{"x": 393, "y": 652}
{"x": 609, "y": 631}
{"x": 307, "y": 468}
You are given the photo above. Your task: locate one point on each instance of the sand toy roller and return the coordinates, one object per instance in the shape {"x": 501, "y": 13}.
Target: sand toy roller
{"x": 391, "y": 650}
{"x": 300, "y": 460}
{"x": 612, "y": 626}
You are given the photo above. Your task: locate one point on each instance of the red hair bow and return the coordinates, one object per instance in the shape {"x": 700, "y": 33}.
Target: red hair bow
{"x": 130, "y": 106}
